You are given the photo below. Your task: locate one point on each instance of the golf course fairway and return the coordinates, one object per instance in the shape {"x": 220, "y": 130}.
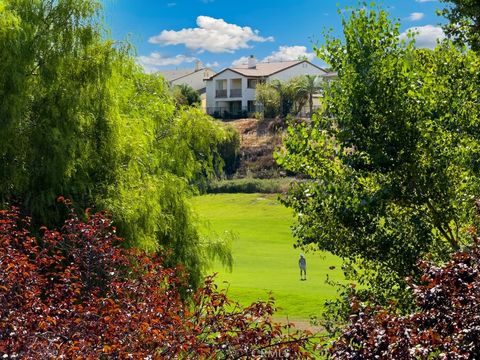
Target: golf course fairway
{"x": 264, "y": 257}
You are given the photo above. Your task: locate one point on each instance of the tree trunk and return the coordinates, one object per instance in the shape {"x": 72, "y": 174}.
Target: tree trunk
{"x": 311, "y": 104}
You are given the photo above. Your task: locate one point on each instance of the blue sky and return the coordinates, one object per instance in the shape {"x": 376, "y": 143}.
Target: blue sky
{"x": 171, "y": 34}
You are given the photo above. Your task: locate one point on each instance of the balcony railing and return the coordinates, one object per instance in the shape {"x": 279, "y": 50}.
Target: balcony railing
{"x": 221, "y": 93}
{"x": 235, "y": 93}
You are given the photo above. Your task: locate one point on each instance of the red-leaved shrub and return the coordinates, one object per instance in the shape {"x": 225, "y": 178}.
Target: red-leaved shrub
{"x": 76, "y": 293}
{"x": 446, "y": 326}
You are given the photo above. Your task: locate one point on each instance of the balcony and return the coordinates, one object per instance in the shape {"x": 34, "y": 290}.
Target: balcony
{"x": 235, "y": 93}
{"x": 221, "y": 93}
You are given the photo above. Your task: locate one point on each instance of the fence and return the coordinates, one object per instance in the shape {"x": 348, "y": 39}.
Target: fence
{"x": 233, "y": 112}
{"x": 244, "y": 112}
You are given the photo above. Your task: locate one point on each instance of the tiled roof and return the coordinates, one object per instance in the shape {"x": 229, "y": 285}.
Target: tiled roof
{"x": 264, "y": 69}
{"x": 171, "y": 75}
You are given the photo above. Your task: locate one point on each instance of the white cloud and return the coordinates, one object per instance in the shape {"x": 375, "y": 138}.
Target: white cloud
{"x": 425, "y": 36}
{"x": 241, "y": 61}
{"x": 415, "y": 16}
{"x": 214, "y": 35}
{"x": 155, "y": 60}
{"x": 285, "y": 53}
{"x": 212, "y": 65}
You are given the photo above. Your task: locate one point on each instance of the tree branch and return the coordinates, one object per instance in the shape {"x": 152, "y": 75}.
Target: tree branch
{"x": 448, "y": 236}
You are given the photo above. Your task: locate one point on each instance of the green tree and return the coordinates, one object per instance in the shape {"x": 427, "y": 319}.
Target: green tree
{"x": 464, "y": 26}
{"x": 283, "y": 98}
{"x": 80, "y": 119}
{"x": 310, "y": 85}
{"x": 269, "y": 98}
{"x": 288, "y": 92}
{"x": 55, "y": 103}
{"x": 185, "y": 95}
{"x": 229, "y": 150}
{"x": 392, "y": 159}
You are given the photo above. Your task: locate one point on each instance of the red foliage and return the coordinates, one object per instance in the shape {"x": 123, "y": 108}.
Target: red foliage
{"x": 75, "y": 293}
{"x": 447, "y": 325}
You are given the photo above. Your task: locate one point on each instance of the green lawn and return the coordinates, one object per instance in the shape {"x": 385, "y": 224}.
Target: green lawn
{"x": 265, "y": 259}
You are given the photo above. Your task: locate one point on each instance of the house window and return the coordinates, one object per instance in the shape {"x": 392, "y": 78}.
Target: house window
{"x": 251, "y": 83}
{"x": 251, "y": 106}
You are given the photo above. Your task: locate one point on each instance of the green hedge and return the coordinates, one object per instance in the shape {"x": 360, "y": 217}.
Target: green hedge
{"x": 250, "y": 185}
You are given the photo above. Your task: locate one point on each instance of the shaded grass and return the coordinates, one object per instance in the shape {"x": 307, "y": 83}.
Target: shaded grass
{"x": 264, "y": 257}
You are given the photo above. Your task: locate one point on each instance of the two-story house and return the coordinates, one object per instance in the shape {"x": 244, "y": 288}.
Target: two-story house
{"x": 233, "y": 89}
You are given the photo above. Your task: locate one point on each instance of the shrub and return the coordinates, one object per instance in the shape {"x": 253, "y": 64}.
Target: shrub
{"x": 249, "y": 185}
{"x": 229, "y": 150}
{"x": 74, "y": 293}
{"x": 185, "y": 95}
{"x": 270, "y": 100}
{"x": 446, "y": 325}
{"x": 88, "y": 123}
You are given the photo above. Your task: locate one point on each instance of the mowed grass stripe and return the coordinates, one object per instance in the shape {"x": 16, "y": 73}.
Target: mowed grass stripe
{"x": 264, "y": 256}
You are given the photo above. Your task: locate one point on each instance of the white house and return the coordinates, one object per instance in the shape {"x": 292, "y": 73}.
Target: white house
{"x": 233, "y": 89}
{"x": 194, "y": 77}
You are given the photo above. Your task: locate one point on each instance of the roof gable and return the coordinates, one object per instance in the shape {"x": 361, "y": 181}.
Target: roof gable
{"x": 266, "y": 69}
{"x": 224, "y": 70}
{"x": 171, "y": 75}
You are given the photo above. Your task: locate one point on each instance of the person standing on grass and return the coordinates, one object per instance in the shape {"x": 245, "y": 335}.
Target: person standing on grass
{"x": 302, "y": 263}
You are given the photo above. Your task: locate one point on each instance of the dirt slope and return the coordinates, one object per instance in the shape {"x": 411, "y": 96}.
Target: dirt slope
{"x": 258, "y": 142}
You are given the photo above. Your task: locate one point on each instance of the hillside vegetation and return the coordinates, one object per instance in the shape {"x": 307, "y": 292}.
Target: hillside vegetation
{"x": 258, "y": 141}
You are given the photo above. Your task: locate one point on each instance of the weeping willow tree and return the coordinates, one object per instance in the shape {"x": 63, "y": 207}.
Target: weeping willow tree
{"x": 79, "y": 119}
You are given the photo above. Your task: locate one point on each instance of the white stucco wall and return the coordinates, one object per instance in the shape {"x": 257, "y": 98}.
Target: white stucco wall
{"x": 210, "y": 93}
{"x": 195, "y": 80}
{"x": 226, "y": 75}
{"x": 248, "y": 94}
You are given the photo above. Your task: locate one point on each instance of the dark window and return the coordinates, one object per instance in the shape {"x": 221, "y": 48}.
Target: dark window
{"x": 251, "y": 83}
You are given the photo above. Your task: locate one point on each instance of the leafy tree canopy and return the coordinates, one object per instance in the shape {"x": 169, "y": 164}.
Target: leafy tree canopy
{"x": 283, "y": 98}
{"x": 185, "y": 95}
{"x": 392, "y": 162}
{"x": 80, "y": 119}
{"x": 464, "y": 25}
{"x": 446, "y": 324}
{"x": 269, "y": 98}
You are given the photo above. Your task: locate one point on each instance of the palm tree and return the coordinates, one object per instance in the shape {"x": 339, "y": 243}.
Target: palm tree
{"x": 292, "y": 96}
{"x": 184, "y": 94}
{"x": 282, "y": 89}
{"x": 310, "y": 85}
